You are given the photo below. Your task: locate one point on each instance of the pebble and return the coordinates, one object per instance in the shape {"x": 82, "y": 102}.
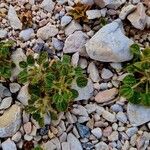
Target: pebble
{"x": 114, "y": 136}
{"x": 75, "y": 42}
{"x": 109, "y": 116}
{"x": 74, "y": 142}
{"x": 93, "y": 72}
{"x": 93, "y": 14}
{"x": 13, "y": 18}
{"x": 106, "y": 95}
{"x": 131, "y": 131}
{"x": 3, "y": 33}
{"x": 48, "y": 5}
{"x": 88, "y": 146}
{"x": 9, "y": 145}
{"x": 101, "y": 48}
{"x": 116, "y": 108}
{"x": 47, "y": 31}
{"x": 10, "y": 121}
{"x": 106, "y": 73}
{"x": 6, "y": 102}
{"x": 75, "y": 59}
{"x": 97, "y": 132}
{"x": 14, "y": 87}
{"x": 49, "y": 146}
{"x": 65, "y": 146}
{"x": 26, "y": 34}
{"x": 121, "y": 117}
{"x": 65, "y": 20}
{"x": 72, "y": 27}
{"x": 83, "y": 63}
{"x": 27, "y": 127}
{"x": 4, "y": 92}
{"x": 17, "y": 137}
{"x": 138, "y": 17}
{"x": 57, "y": 44}
{"x": 101, "y": 146}
{"x": 107, "y": 131}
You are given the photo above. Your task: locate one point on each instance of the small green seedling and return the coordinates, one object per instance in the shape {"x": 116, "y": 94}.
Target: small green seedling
{"x": 50, "y": 84}
{"x": 136, "y": 85}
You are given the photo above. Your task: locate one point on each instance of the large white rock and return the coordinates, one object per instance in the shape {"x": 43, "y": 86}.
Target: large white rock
{"x": 9, "y": 145}
{"x": 10, "y": 121}
{"x": 84, "y": 93}
{"x": 13, "y": 18}
{"x": 47, "y": 31}
{"x": 110, "y": 44}
{"x": 48, "y": 5}
{"x": 75, "y": 42}
{"x": 138, "y": 115}
{"x": 74, "y": 142}
{"x": 138, "y": 17}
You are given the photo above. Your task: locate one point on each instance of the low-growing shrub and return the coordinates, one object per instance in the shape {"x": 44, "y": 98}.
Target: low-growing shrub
{"x": 50, "y": 84}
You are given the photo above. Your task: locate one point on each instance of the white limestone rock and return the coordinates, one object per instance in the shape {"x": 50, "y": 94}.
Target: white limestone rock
{"x": 48, "y": 5}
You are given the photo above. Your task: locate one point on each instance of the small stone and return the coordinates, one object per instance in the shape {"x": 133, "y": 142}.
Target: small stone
{"x": 65, "y": 20}
{"x": 116, "y": 108}
{"x": 135, "y": 1}
{"x": 74, "y": 142}
{"x": 83, "y": 63}
{"x": 107, "y": 131}
{"x": 148, "y": 22}
{"x": 6, "y": 102}
{"x": 3, "y": 33}
{"x": 9, "y": 145}
{"x": 57, "y": 44}
{"x": 138, "y": 17}
{"x": 75, "y": 59}
{"x": 13, "y": 18}
{"x": 72, "y": 27}
{"x": 102, "y": 146}
{"x": 48, "y": 5}
{"x": 28, "y": 137}
{"x": 47, "y": 31}
{"x": 23, "y": 95}
{"x": 121, "y": 117}
{"x": 44, "y": 130}
{"x": 10, "y": 121}
{"x": 106, "y": 73}
{"x": 65, "y": 146}
{"x": 84, "y": 131}
{"x": 84, "y": 93}
{"x": 88, "y": 146}
{"x": 105, "y": 46}
{"x": 97, "y": 132}
{"x": 26, "y": 34}
{"x": 106, "y": 95}
{"x": 114, "y": 136}
{"x": 49, "y": 146}
{"x": 131, "y": 131}
{"x": 75, "y": 42}
{"x": 87, "y": 2}
{"x": 93, "y": 72}
{"x": 17, "y": 137}
{"x": 14, "y": 87}
{"x": 27, "y": 127}
{"x": 4, "y": 92}
{"x": 137, "y": 114}
{"x": 109, "y": 116}
{"x": 126, "y": 11}
{"x": 93, "y": 14}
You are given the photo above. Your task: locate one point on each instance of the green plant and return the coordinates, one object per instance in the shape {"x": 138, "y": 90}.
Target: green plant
{"x": 136, "y": 85}
{"x": 37, "y": 148}
{"x": 50, "y": 84}
{"x": 79, "y": 12}
{"x": 5, "y": 59}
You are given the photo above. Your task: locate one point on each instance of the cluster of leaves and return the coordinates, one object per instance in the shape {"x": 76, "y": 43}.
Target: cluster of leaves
{"x": 50, "y": 84}
{"x": 5, "y": 59}
{"x": 136, "y": 85}
{"x": 37, "y": 148}
{"x": 26, "y": 18}
{"x": 79, "y": 12}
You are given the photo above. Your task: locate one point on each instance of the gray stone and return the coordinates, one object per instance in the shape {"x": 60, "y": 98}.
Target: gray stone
{"x": 13, "y": 18}
{"x": 6, "y": 102}
{"x": 65, "y": 146}
{"x": 4, "y": 91}
{"x": 14, "y": 87}
{"x": 87, "y": 2}
{"x": 137, "y": 114}
{"x": 74, "y": 142}
{"x": 106, "y": 73}
{"x": 84, "y": 131}
{"x": 107, "y": 47}
{"x": 57, "y": 44}
{"x": 101, "y": 146}
{"x": 93, "y": 14}
{"x": 3, "y": 33}
{"x": 97, "y": 132}
{"x": 116, "y": 108}
{"x": 17, "y": 137}
{"x": 10, "y": 121}
{"x": 84, "y": 93}
{"x": 23, "y": 95}
{"x": 148, "y": 22}
{"x": 49, "y": 146}
{"x": 48, "y": 5}
{"x": 26, "y": 34}
{"x": 126, "y": 11}
{"x": 114, "y": 136}
{"x": 121, "y": 117}
{"x": 109, "y": 116}
{"x": 72, "y": 27}
{"x": 47, "y": 31}
{"x": 88, "y": 146}
{"x": 138, "y": 17}
{"x": 131, "y": 131}
{"x": 9, "y": 145}
{"x": 75, "y": 42}
{"x": 65, "y": 20}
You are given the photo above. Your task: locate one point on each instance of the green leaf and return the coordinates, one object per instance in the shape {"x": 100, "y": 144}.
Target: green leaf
{"x": 146, "y": 52}
{"x": 135, "y": 49}
{"x": 23, "y": 64}
{"x": 23, "y": 76}
{"x": 75, "y": 93}
{"x": 146, "y": 99}
{"x": 126, "y": 91}
{"x": 57, "y": 98}
{"x": 42, "y": 57}
{"x": 30, "y": 60}
{"x": 37, "y": 148}
{"x": 81, "y": 81}
{"x": 129, "y": 80}
{"x": 66, "y": 59}
{"x": 38, "y": 118}
{"x": 136, "y": 98}
{"x": 62, "y": 106}
{"x": 78, "y": 71}
{"x": 145, "y": 65}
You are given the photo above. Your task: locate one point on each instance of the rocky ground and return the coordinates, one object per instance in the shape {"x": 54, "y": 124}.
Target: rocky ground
{"x": 99, "y": 119}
